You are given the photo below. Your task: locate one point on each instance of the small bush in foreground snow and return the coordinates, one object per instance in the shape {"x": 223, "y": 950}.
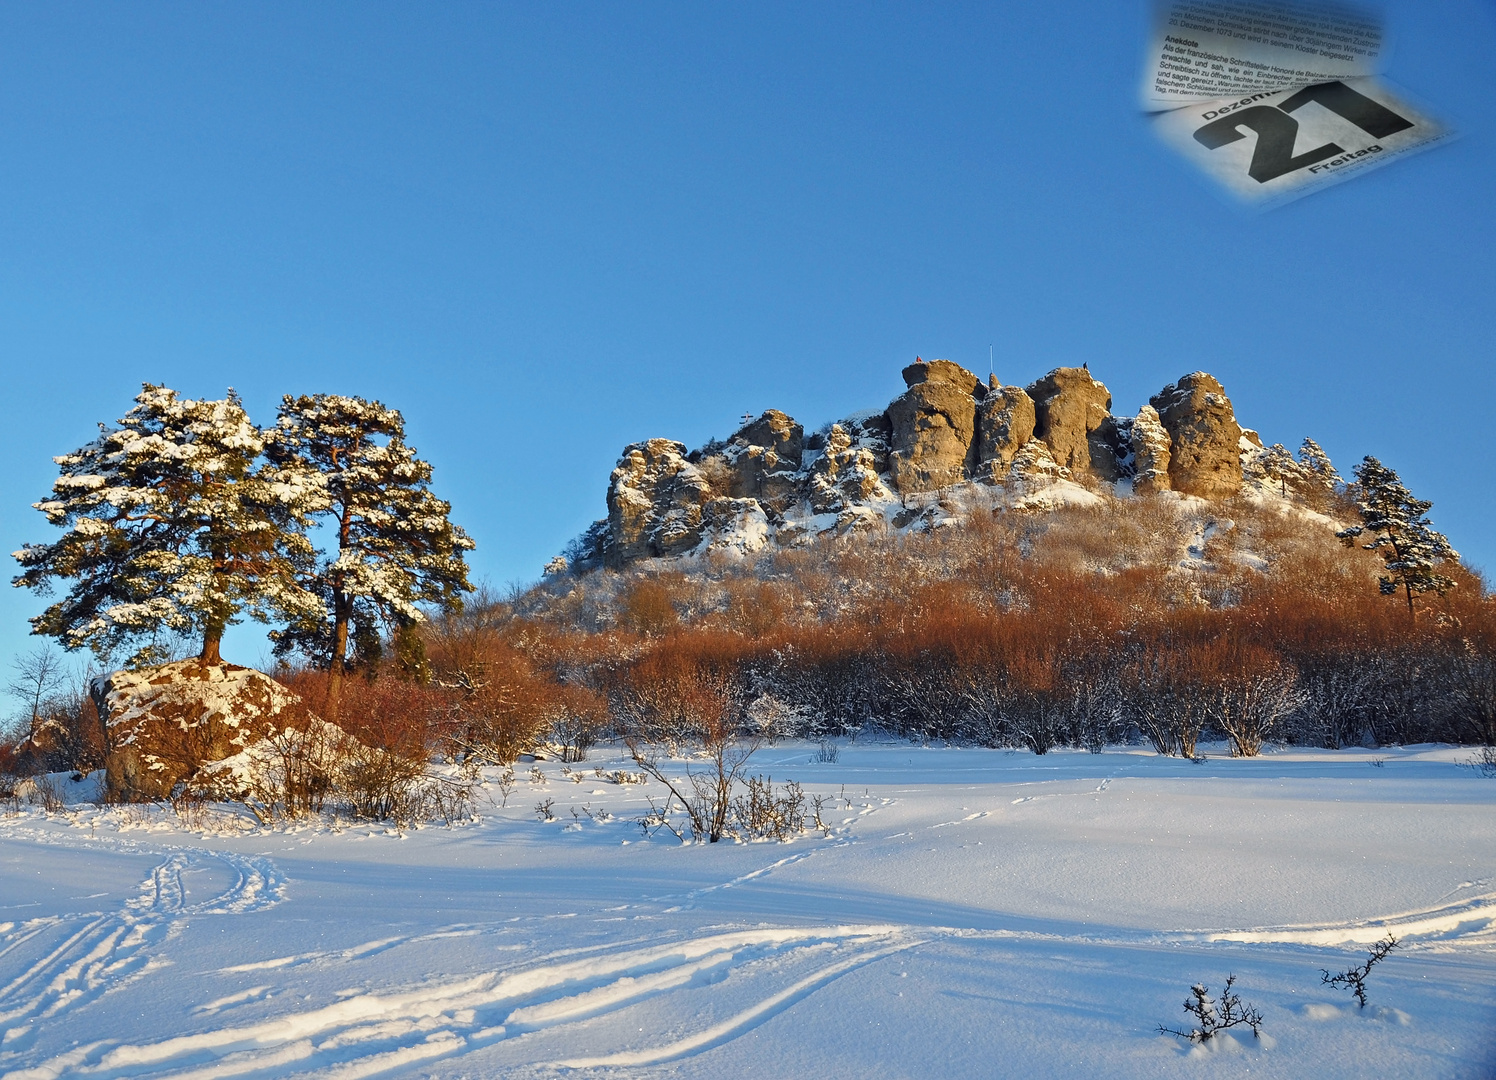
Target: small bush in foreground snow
{"x": 762, "y": 813}
{"x": 1213, "y": 1016}
{"x": 1354, "y": 979}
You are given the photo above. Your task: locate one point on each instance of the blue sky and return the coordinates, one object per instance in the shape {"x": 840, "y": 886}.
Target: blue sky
{"x": 545, "y": 231}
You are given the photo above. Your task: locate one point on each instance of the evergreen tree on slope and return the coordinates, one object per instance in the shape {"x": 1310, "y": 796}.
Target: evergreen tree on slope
{"x": 1411, "y": 549}
{"x": 1317, "y": 476}
{"x": 396, "y": 549}
{"x": 173, "y": 527}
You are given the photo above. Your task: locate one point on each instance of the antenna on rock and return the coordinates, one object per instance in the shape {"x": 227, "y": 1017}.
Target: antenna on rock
{"x": 991, "y": 366}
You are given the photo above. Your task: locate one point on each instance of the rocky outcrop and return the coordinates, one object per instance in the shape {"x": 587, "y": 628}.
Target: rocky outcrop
{"x": 1150, "y": 453}
{"x": 163, "y": 724}
{"x": 1204, "y": 437}
{"x": 763, "y": 457}
{"x": 934, "y": 425}
{"x": 772, "y": 484}
{"x": 1005, "y": 422}
{"x": 844, "y": 474}
{"x": 655, "y": 498}
{"x": 1069, "y": 406}
{"x": 1034, "y": 466}
{"x": 734, "y": 527}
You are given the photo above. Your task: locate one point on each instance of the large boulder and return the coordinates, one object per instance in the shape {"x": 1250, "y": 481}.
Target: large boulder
{"x": 1005, "y": 422}
{"x": 1069, "y": 408}
{"x": 163, "y": 724}
{"x": 1205, "y": 439}
{"x": 934, "y": 426}
{"x": 655, "y": 500}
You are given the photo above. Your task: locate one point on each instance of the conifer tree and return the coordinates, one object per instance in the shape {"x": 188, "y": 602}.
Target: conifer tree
{"x": 395, "y": 548}
{"x": 174, "y": 526}
{"x": 1411, "y": 549}
{"x": 1316, "y": 472}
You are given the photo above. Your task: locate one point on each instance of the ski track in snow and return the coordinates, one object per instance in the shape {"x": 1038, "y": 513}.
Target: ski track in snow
{"x": 372, "y": 1031}
{"x": 365, "y": 1033}
{"x": 90, "y": 954}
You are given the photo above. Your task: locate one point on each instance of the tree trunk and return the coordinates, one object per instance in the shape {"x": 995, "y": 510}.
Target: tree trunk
{"x": 342, "y": 606}
{"x": 211, "y": 640}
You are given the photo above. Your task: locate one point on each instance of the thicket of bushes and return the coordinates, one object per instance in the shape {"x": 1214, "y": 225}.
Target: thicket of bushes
{"x": 1134, "y": 620}
{"x": 1138, "y": 620}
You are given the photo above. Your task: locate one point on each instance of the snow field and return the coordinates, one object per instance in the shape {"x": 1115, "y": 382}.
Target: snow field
{"x": 974, "y": 913}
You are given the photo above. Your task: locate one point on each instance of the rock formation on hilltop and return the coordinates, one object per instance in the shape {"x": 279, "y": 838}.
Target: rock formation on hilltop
{"x": 1051, "y": 442}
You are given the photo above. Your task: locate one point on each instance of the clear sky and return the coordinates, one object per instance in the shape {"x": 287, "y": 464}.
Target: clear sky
{"x": 544, "y": 231}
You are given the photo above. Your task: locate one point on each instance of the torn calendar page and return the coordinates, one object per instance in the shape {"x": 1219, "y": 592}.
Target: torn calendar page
{"x": 1202, "y": 50}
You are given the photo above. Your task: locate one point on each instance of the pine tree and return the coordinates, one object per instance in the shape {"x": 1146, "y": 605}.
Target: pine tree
{"x": 174, "y": 527}
{"x": 1410, "y": 547}
{"x": 396, "y": 550}
{"x": 1318, "y": 475}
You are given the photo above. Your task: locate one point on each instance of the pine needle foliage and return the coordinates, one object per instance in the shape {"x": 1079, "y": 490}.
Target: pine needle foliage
{"x": 395, "y": 550}
{"x": 174, "y": 527}
{"x": 1401, "y": 532}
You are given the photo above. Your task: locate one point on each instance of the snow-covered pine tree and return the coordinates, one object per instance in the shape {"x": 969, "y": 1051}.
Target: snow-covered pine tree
{"x": 1410, "y": 547}
{"x": 1273, "y": 467}
{"x": 174, "y": 526}
{"x": 1317, "y": 476}
{"x": 396, "y": 549}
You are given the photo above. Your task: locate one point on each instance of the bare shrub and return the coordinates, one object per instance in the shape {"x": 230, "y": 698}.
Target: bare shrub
{"x": 384, "y": 784}
{"x": 1214, "y": 1016}
{"x": 1163, "y": 689}
{"x": 1484, "y": 762}
{"x": 1354, "y": 979}
{"x": 286, "y": 776}
{"x": 646, "y": 607}
{"x": 1253, "y": 692}
{"x": 697, "y": 696}
{"x": 827, "y": 752}
{"x": 46, "y": 793}
{"x": 762, "y": 813}
{"x": 544, "y": 811}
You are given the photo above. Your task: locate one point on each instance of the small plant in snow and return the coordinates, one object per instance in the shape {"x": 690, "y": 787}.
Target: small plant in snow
{"x": 506, "y": 785}
{"x": 536, "y": 776}
{"x": 543, "y": 810}
{"x": 1355, "y": 978}
{"x": 46, "y": 794}
{"x": 1378, "y": 763}
{"x": 1213, "y": 1016}
{"x": 761, "y": 812}
{"x": 1484, "y": 762}
{"x": 827, "y": 752}
{"x": 817, "y": 806}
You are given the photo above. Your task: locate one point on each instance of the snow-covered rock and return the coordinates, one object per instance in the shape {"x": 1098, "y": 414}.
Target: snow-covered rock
{"x": 164, "y": 723}
{"x": 1205, "y": 451}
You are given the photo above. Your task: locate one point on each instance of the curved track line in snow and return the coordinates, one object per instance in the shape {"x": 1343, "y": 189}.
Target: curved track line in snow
{"x": 99, "y": 952}
{"x": 372, "y": 1032}
{"x": 743, "y": 1022}
{"x": 1471, "y": 922}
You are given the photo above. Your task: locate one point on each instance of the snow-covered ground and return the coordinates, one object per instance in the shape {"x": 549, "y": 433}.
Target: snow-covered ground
{"x": 974, "y": 913}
